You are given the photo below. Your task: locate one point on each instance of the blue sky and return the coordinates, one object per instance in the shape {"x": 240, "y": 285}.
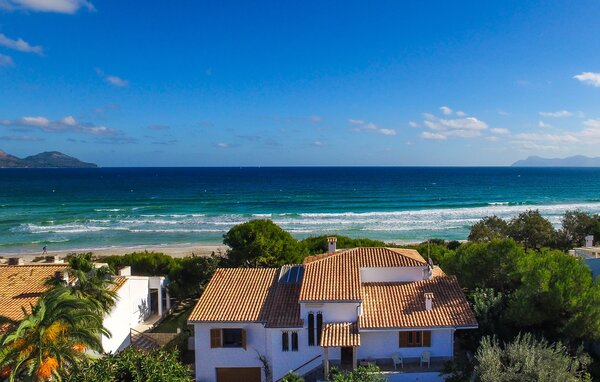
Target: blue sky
{"x": 203, "y": 83}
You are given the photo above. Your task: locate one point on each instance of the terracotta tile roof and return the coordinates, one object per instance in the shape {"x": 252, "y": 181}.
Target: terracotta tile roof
{"x": 338, "y": 334}
{"x": 402, "y": 305}
{"x": 236, "y": 294}
{"x": 336, "y": 277}
{"x": 22, "y": 285}
{"x": 119, "y": 281}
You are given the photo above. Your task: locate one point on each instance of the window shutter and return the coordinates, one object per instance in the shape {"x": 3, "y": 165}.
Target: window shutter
{"x": 294, "y": 341}
{"x": 319, "y": 327}
{"x": 403, "y": 339}
{"x": 215, "y": 338}
{"x": 426, "y": 338}
{"x": 244, "y": 339}
{"x": 284, "y": 341}
{"x": 311, "y": 329}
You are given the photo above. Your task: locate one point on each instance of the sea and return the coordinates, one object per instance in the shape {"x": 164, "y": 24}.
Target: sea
{"x": 78, "y": 209}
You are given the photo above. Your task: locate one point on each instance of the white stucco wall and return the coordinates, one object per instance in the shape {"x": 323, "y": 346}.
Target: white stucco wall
{"x": 391, "y": 274}
{"x": 207, "y": 358}
{"x": 382, "y": 344}
{"x": 283, "y": 362}
{"x": 130, "y": 309}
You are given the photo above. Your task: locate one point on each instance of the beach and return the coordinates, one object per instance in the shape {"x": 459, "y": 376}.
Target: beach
{"x": 173, "y": 250}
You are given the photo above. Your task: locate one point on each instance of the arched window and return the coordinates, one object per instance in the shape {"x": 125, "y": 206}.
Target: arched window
{"x": 294, "y": 341}
{"x": 285, "y": 346}
{"x": 319, "y": 326}
{"x": 311, "y": 329}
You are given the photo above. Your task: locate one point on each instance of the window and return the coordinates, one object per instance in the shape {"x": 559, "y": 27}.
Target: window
{"x": 415, "y": 339}
{"x": 285, "y": 346}
{"x": 294, "y": 341}
{"x": 319, "y": 326}
{"x": 228, "y": 338}
{"x": 311, "y": 329}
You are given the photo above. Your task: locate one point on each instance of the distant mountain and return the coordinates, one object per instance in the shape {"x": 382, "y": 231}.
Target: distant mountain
{"x": 574, "y": 161}
{"x": 50, "y": 159}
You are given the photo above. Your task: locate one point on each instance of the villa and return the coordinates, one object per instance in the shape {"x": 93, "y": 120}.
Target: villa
{"x": 141, "y": 300}
{"x": 345, "y": 308}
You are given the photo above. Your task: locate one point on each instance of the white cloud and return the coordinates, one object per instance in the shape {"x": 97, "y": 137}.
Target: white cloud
{"x": 413, "y": 124}
{"x": 556, "y": 114}
{"x": 492, "y": 138}
{"x": 6, "y": 61}
{"x": 544, "y": 125}
{"x": 67, "y": 124}
{"x": 370, "y": 126}
{"x": 56, "y": 6}
{"x": 116, "y": 81}
{"x": 446, "y": 110}
{"x": 433, "y": 136}
{"x": 112, "y": 79}
{"x": 318, "y": 143}
{"x": 20, "y": 45}
{"x": 222, "y": 145}
{"x": 589, "y": 78}
{"x": 461, "y": 113}
{"x": 569, "y": 141}
{"x": 499, "y": 131}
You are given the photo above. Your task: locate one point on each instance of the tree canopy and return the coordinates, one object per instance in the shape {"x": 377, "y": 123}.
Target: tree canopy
{"x": 489, "y": 228}
{"x": 262, "y": 243}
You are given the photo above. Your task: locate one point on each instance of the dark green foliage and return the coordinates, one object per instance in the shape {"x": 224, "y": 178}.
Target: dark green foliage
{"x": 143, "y": 263}
{"x": 576, "y": 225}
{"x": 292, "y": 377}
{"x": 529, "y": 360}
{"x": 318, "y": 244}
{"x": 360, "y": 374}
{"x": 489, "y": 228}
{"x": 532, "y": 230}
{"x": 261, "y": 243}
{"x": 434, "y": 250}
{"x": 135, "y": 366}
{"x": 485, "y": 265}
{"x": 556, "y": 296}
{"x": 488, "y": 306}
{"x": 189, "y": 275}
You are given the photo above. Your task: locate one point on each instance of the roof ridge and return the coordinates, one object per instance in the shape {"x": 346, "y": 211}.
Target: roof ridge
{"x": 324, "y": 256}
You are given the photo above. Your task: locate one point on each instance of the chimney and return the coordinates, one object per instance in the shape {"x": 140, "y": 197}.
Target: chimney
{"x": 125, "y": 271}
{"x": 428, "y": 301}
{"x": 15, "y": 261}
{"x": 62, "y": 275}
{"x": 332, "y": 243}
{"x": 589, "y": 241}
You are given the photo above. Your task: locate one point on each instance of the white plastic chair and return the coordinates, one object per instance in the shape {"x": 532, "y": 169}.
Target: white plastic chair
{"x": 426, "y": 358}
{"x": 397, "y": 359}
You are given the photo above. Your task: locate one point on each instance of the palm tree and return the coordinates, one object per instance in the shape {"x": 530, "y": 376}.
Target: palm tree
{"x": 56, "y": 337}
{"x": 91, "y": 283}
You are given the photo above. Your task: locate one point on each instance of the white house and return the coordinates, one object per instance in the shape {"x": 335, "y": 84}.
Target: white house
{"x": 342, "y": 308}
{"x": 139, "y": 298}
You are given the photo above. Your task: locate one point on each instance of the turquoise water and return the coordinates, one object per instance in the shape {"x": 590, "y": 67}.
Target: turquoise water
{"x": 93, "y": 208}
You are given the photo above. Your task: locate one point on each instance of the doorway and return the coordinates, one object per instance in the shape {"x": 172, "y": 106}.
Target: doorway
{"x": 347, "y": 359}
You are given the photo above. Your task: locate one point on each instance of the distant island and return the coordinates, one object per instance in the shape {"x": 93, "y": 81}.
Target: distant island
{"x": 574, "y": 161}
{"x": 50, "y": 159}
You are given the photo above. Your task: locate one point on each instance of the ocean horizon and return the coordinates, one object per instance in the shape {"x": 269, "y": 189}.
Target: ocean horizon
{"x": 73, "y": 209}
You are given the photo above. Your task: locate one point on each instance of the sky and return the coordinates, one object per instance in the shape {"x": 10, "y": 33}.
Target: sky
{"x": 282, "y": 83}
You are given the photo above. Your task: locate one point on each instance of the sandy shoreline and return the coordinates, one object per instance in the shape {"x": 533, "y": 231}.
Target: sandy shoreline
{"x": 173, "y": 250}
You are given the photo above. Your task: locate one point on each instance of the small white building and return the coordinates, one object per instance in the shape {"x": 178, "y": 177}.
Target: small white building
{"x": 139, "y": 298}
{"x": 344, "y": 308}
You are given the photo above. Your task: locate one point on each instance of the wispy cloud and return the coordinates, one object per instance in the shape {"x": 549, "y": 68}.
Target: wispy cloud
{"x": 222, "y": 145}
{"x": 588, "y": 135}
{"x": 589, "y": 78}
{"x": 446, "y": 110}
{"x": 433, "y": 136}
{"x": 21, "y": 138}
{"x": 158, "y": 127}
{"x": 20, "y": 45}
{"x": 55, "y": 6}
{"x": 556, "y": 114}
{"x": 6, "y": 61}
{"x": 544, "y": 125}
{"x": 361, "y": 125}
{"x": 499, "y": 131}
{"x": 413, "y": 124}
{"x": 112, "y": 79}
{"x": 66, "y": 124}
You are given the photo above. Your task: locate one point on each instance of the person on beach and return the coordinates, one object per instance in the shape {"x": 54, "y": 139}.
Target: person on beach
{"x": 45, "y": 250}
